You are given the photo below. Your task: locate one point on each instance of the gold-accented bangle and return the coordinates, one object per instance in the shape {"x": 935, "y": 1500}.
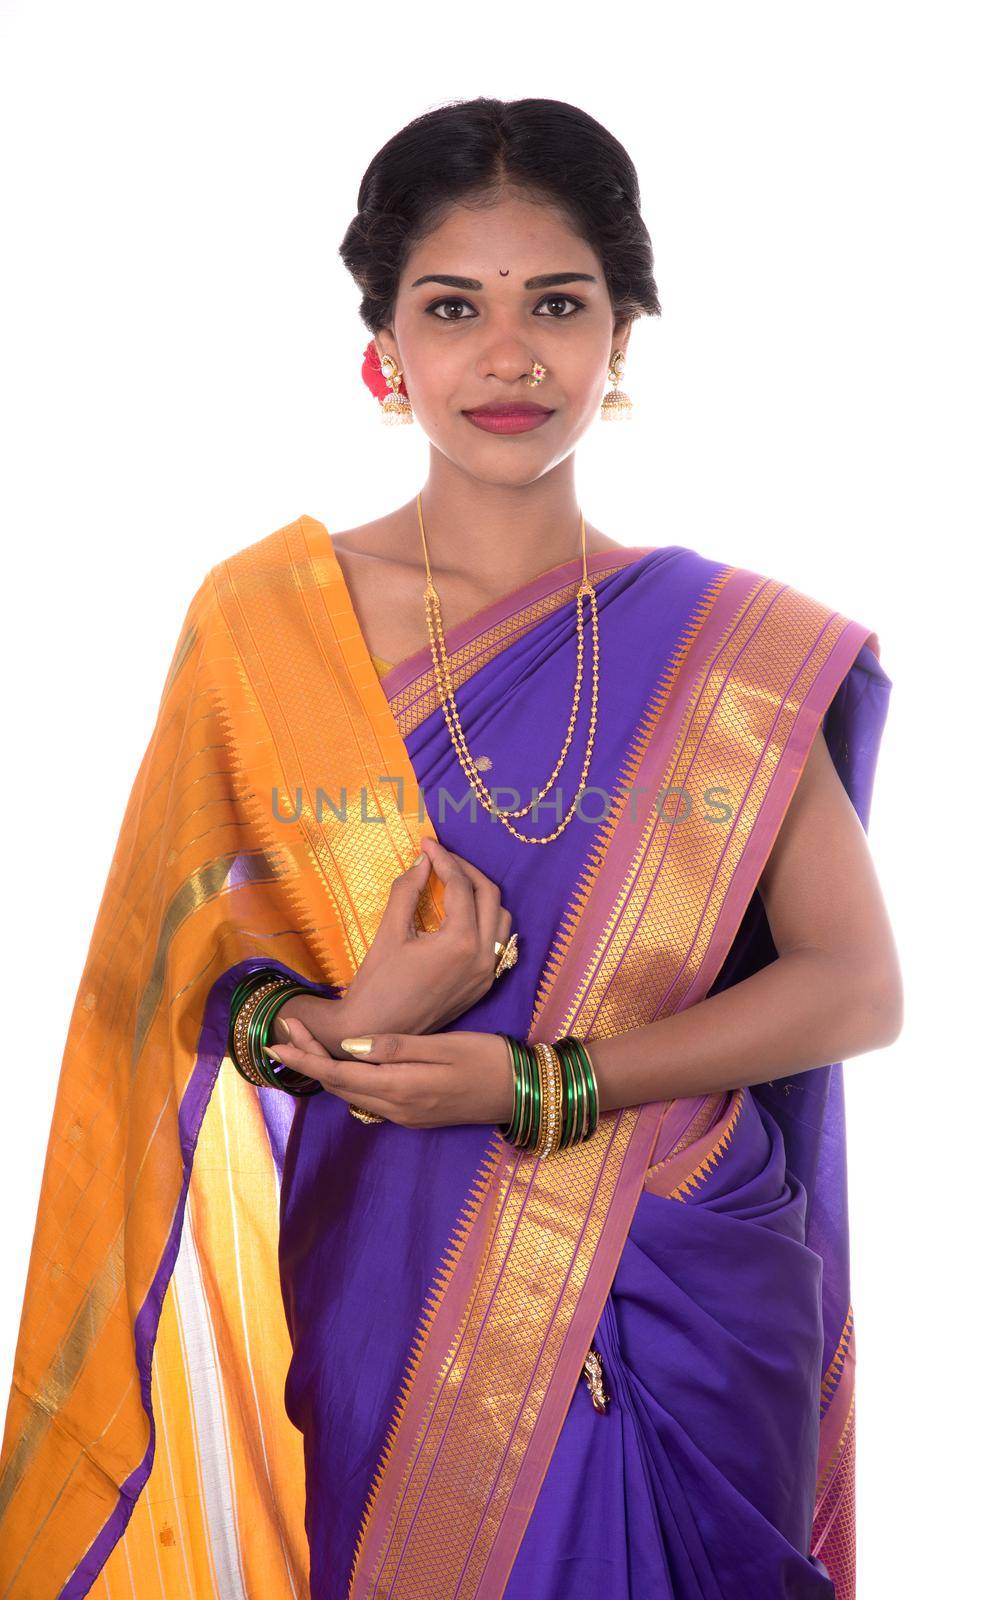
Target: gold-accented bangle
{"x": 538, "y": 1122}
{"x": 532, "y": 1068}
{"x": 542, "y": 1130}
{"x": 256, "y": 1001}
{"x": 240, "y": 1028}
{"x": 552, "y": 1124}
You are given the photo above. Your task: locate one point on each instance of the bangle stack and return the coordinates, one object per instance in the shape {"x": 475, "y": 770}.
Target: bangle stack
{"x": 556, "y": 1096}
{"x": 556, "y": 1092}
{"x": 253, "y": 1007}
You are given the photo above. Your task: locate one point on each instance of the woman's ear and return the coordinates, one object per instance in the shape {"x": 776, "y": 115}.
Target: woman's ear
{"x": 620, "y": 334}
{"x": 387, "y": 344}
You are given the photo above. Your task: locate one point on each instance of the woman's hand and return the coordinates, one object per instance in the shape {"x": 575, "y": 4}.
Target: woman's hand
{"x": 418, "y": 1080}
{"x": 410, "y": 980}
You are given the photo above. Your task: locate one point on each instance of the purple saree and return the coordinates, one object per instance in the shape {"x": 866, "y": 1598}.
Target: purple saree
{"x": 441, "y": 1300}
{"x": 261, "y": 1338}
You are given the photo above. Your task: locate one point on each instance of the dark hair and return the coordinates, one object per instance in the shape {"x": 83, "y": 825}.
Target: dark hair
{"x": 468, "y": 152}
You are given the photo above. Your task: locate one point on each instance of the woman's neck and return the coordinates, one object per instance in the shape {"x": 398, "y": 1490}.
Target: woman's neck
{"x": 501, "y": 534}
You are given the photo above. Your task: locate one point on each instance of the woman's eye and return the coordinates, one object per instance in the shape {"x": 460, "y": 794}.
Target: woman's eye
{"x": 437, "y": 306}
{"x": 564, "y": 300}
{"x": 441, "y": 308}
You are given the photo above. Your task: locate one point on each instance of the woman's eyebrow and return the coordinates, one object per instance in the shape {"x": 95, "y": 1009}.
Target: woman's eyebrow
{"x": 545, "y": 280}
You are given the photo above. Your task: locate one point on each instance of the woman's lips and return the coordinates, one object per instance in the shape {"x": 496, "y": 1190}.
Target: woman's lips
{"x": 508, "y": 419}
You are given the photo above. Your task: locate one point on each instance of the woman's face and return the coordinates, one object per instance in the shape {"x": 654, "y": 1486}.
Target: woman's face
{"x": 461, "y": 346}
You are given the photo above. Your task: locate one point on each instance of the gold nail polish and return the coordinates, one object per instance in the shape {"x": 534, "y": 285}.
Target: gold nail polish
{"x": 359, "y": 1046}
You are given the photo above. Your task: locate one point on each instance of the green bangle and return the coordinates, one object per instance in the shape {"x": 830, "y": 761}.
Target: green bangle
{"x": 572, "y": 1097}
{"x": 591, "y": 1096}
{"x": 595, "y": 1095}
{"x": 579, "y": 1092}
{"x": 583, "y": 1114}
{"x": 516, "y": 1115}
{"x": 525, "y": 1082}
{"x": 508, "y": 1130}
{"x": 257, "y": 1034}
{"x": 523, "y": 1056}
{"x": 585, "y": 1120}
{"x": 578, "y": 1058}
{"x": 571, "y": 1080}
{"x": 257, "y": 1031}
{"x": 538, "y": 1079}
{"x": 281, "y": 1077}
{"x": 523, "y": 1128}
{"x": 243, "y": 993}
{"x": 243, "y": 990}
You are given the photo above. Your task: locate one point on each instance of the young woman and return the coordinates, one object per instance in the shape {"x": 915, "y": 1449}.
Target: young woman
{"x": 446, "y": 1194}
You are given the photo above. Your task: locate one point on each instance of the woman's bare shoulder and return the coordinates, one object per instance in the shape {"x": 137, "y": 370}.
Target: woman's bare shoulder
{"x": 382, "y": 539}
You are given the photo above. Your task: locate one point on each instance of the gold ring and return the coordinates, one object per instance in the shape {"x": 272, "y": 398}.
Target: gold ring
{"x": 507, "y": 954}
{"x": 365, "y": 1116}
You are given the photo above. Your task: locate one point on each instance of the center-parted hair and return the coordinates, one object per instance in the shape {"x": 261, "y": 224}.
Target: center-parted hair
{"x": 470, "y": 152}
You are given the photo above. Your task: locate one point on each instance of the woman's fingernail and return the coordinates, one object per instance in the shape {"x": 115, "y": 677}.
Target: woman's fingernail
{"x": 361, "y": 1046}
{"x": 274, "y": 1053}
{"x": 280, "y": 1028}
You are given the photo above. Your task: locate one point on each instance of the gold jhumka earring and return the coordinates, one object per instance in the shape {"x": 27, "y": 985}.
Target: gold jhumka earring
{"x": 395, "y": 408}
{"x": 615, "y": 404}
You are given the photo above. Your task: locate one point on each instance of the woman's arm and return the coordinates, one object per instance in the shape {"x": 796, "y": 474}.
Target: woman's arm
{"x": 834, "y": 991}
{"x": 408, "y": 978}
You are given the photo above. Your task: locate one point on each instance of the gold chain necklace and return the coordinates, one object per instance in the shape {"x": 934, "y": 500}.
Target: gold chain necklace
{"x": 444, "y": 684}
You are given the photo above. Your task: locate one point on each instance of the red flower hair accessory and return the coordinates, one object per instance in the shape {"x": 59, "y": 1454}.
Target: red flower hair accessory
{"x": 373, "y": 377}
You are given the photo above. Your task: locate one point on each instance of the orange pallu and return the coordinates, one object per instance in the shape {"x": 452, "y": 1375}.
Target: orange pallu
{"x": 109, "y": 1455}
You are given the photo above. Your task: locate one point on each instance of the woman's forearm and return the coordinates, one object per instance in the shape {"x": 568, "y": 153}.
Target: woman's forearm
{"x": 804, "y": 1009}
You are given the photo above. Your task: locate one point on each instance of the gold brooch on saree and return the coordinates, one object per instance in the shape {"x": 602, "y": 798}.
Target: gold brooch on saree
{"x": 594, "y": 1377}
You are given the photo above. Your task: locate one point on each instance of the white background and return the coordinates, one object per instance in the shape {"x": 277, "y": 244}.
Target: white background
{"x": 181, "y": 375}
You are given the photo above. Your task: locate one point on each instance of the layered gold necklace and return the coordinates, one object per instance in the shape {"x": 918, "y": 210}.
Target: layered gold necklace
{"x": 444, "y": 683}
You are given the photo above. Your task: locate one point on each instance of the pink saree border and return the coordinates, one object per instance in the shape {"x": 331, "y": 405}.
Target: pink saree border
{"x": 782, "y": 786}
{"x": 833, "y": 1423}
